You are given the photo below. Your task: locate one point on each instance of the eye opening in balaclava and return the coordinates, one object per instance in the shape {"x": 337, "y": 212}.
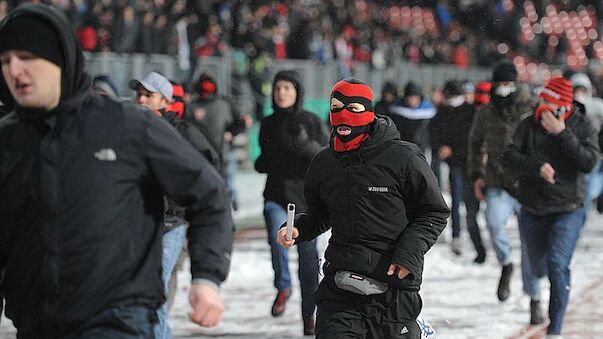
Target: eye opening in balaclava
{"x": 351, "y": 113}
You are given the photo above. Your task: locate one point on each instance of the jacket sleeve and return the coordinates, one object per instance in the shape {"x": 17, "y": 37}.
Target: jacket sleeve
{"x": 313, "y": 221}
{"x": 260, "y": 163}
{"x": 438, "y": 131}
{"x": 200, "y": 143}
{"x": 191, "y": 181}
{"x": 308, "y": 139}
{"x": 580, "y": 147}
{"x": 428, "y": 215}
{"x": 514, "y": 158}
{"x": 475, "y": 157}
{"x": 1, "y": 294}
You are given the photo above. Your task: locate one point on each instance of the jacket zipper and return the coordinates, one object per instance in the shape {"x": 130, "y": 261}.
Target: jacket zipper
{"x": 350, "y": 204}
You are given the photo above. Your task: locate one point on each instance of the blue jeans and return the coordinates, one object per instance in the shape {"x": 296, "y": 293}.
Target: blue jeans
{"x": 275, "y": 216}
{"x": 172, "y": 242}
{"x": 122, "y": 322}
{"x": 499, "y": 207}
{"x": 594, "y": 185}
{"x": 550, "y": 242}
{"x": 231, "y": 171}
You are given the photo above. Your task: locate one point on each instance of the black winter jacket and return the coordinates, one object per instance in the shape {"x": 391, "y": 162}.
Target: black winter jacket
{"x": 81, "y": 203}
{"x": 174, "y": 214}
{"x": 382, "y": 203}
{"x": 572, "y": 153}
{"x": 450, "y": 127}
{"x": 289, "y": 139}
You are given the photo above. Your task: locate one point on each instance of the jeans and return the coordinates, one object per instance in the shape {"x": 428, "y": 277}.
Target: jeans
{"x": 499, "y": 207}
{"x": 230, "y": 173}
{"x": 594, "y": 185}
{"x": 172, "y": 242}
{"x": 123, "y": 322}
{"x": 461, "y": 190}
{"x": 550, "y": 242}
{"x": 275, "y": 216}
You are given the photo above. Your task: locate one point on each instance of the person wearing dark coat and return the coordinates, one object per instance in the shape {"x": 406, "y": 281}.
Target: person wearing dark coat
{"x": 383, "y": 205}
{"x": 552, "y": 151}
{"x": 289, "y": 139}
{"x": 450, "y": 141}
{"x": 491, "y": 130}
{"x": 156, "y": 93}
{"x": 82, "y": 183}
{"x": 389, "y": 95}
{"x": 412, "y": 115}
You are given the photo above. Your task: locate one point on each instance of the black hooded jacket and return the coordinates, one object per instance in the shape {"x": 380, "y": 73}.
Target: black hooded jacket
{"x": 572, "y": 154}
{"x": 382, "y": 203}
{"x": 289, "y": 139}
{"x": 81, "y": 203}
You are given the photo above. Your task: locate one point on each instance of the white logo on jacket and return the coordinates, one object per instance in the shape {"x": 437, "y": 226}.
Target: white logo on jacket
{"x": 106, "y": 154}
{"x": 378, "y": 189}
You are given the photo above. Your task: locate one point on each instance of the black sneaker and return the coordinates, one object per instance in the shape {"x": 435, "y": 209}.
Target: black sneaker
{"x": 504, "y": 291}
{"x": 536, "y": 316}
{"x": 481, "y": 256}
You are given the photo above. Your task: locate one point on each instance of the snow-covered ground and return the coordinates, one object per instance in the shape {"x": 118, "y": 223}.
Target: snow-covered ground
{"x": 459, "y": 296}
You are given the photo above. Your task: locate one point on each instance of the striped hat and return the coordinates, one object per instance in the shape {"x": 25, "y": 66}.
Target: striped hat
{"x": 558, "y": 91}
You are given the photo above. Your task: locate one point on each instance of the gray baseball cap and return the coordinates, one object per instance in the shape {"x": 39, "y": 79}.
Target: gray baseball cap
{"x": 154, "y": 83}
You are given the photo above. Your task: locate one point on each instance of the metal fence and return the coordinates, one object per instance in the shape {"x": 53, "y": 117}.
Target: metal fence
{"x": 317, "y": 77}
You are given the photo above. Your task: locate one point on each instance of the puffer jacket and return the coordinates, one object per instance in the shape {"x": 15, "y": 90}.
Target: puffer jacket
{"x": 382, "y": 203}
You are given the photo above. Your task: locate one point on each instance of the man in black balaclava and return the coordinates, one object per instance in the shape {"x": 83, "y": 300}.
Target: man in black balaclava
{"x": 491, "y": 131}
{"x": 82, "y": 179}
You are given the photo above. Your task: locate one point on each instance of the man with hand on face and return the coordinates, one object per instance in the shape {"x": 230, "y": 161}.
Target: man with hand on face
{"x": 382, "y": 201}
{"x": 552, "y": 151}
{"x": 82, "y": 181}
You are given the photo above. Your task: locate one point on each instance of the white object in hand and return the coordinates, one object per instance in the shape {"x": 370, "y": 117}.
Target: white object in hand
{"x": 290, "y": 221}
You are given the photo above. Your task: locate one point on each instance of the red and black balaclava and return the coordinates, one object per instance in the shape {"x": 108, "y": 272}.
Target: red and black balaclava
{"x": 558, "y": 91}
{"x": 207, "y": 88}
{"x": 349, "y": 91}
{"x": 177, "y": 104}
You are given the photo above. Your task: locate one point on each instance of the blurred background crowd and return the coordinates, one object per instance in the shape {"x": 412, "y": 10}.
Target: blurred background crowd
{"x": 461, "y": 33}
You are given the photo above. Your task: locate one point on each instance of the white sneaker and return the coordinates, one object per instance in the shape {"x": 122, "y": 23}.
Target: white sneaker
{"x": 553, "y": 336}
{"x": 455, "y": 245}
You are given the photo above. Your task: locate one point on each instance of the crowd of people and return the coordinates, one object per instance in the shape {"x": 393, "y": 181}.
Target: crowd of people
{"x": 461, "y": 33}
{"x": 98, "y": 194}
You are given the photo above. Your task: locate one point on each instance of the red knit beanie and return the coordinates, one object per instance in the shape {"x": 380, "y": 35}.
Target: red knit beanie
{"x": 558, "y": 91}
{"x": 482, "y": 93}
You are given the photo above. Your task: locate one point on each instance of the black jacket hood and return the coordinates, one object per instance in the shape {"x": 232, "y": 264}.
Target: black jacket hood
{"x": 293, "y": 77}
{"x": 75, "y": 83}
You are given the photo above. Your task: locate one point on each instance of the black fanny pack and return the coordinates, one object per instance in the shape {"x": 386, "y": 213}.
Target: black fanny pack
{"x": 359, "y": 284}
